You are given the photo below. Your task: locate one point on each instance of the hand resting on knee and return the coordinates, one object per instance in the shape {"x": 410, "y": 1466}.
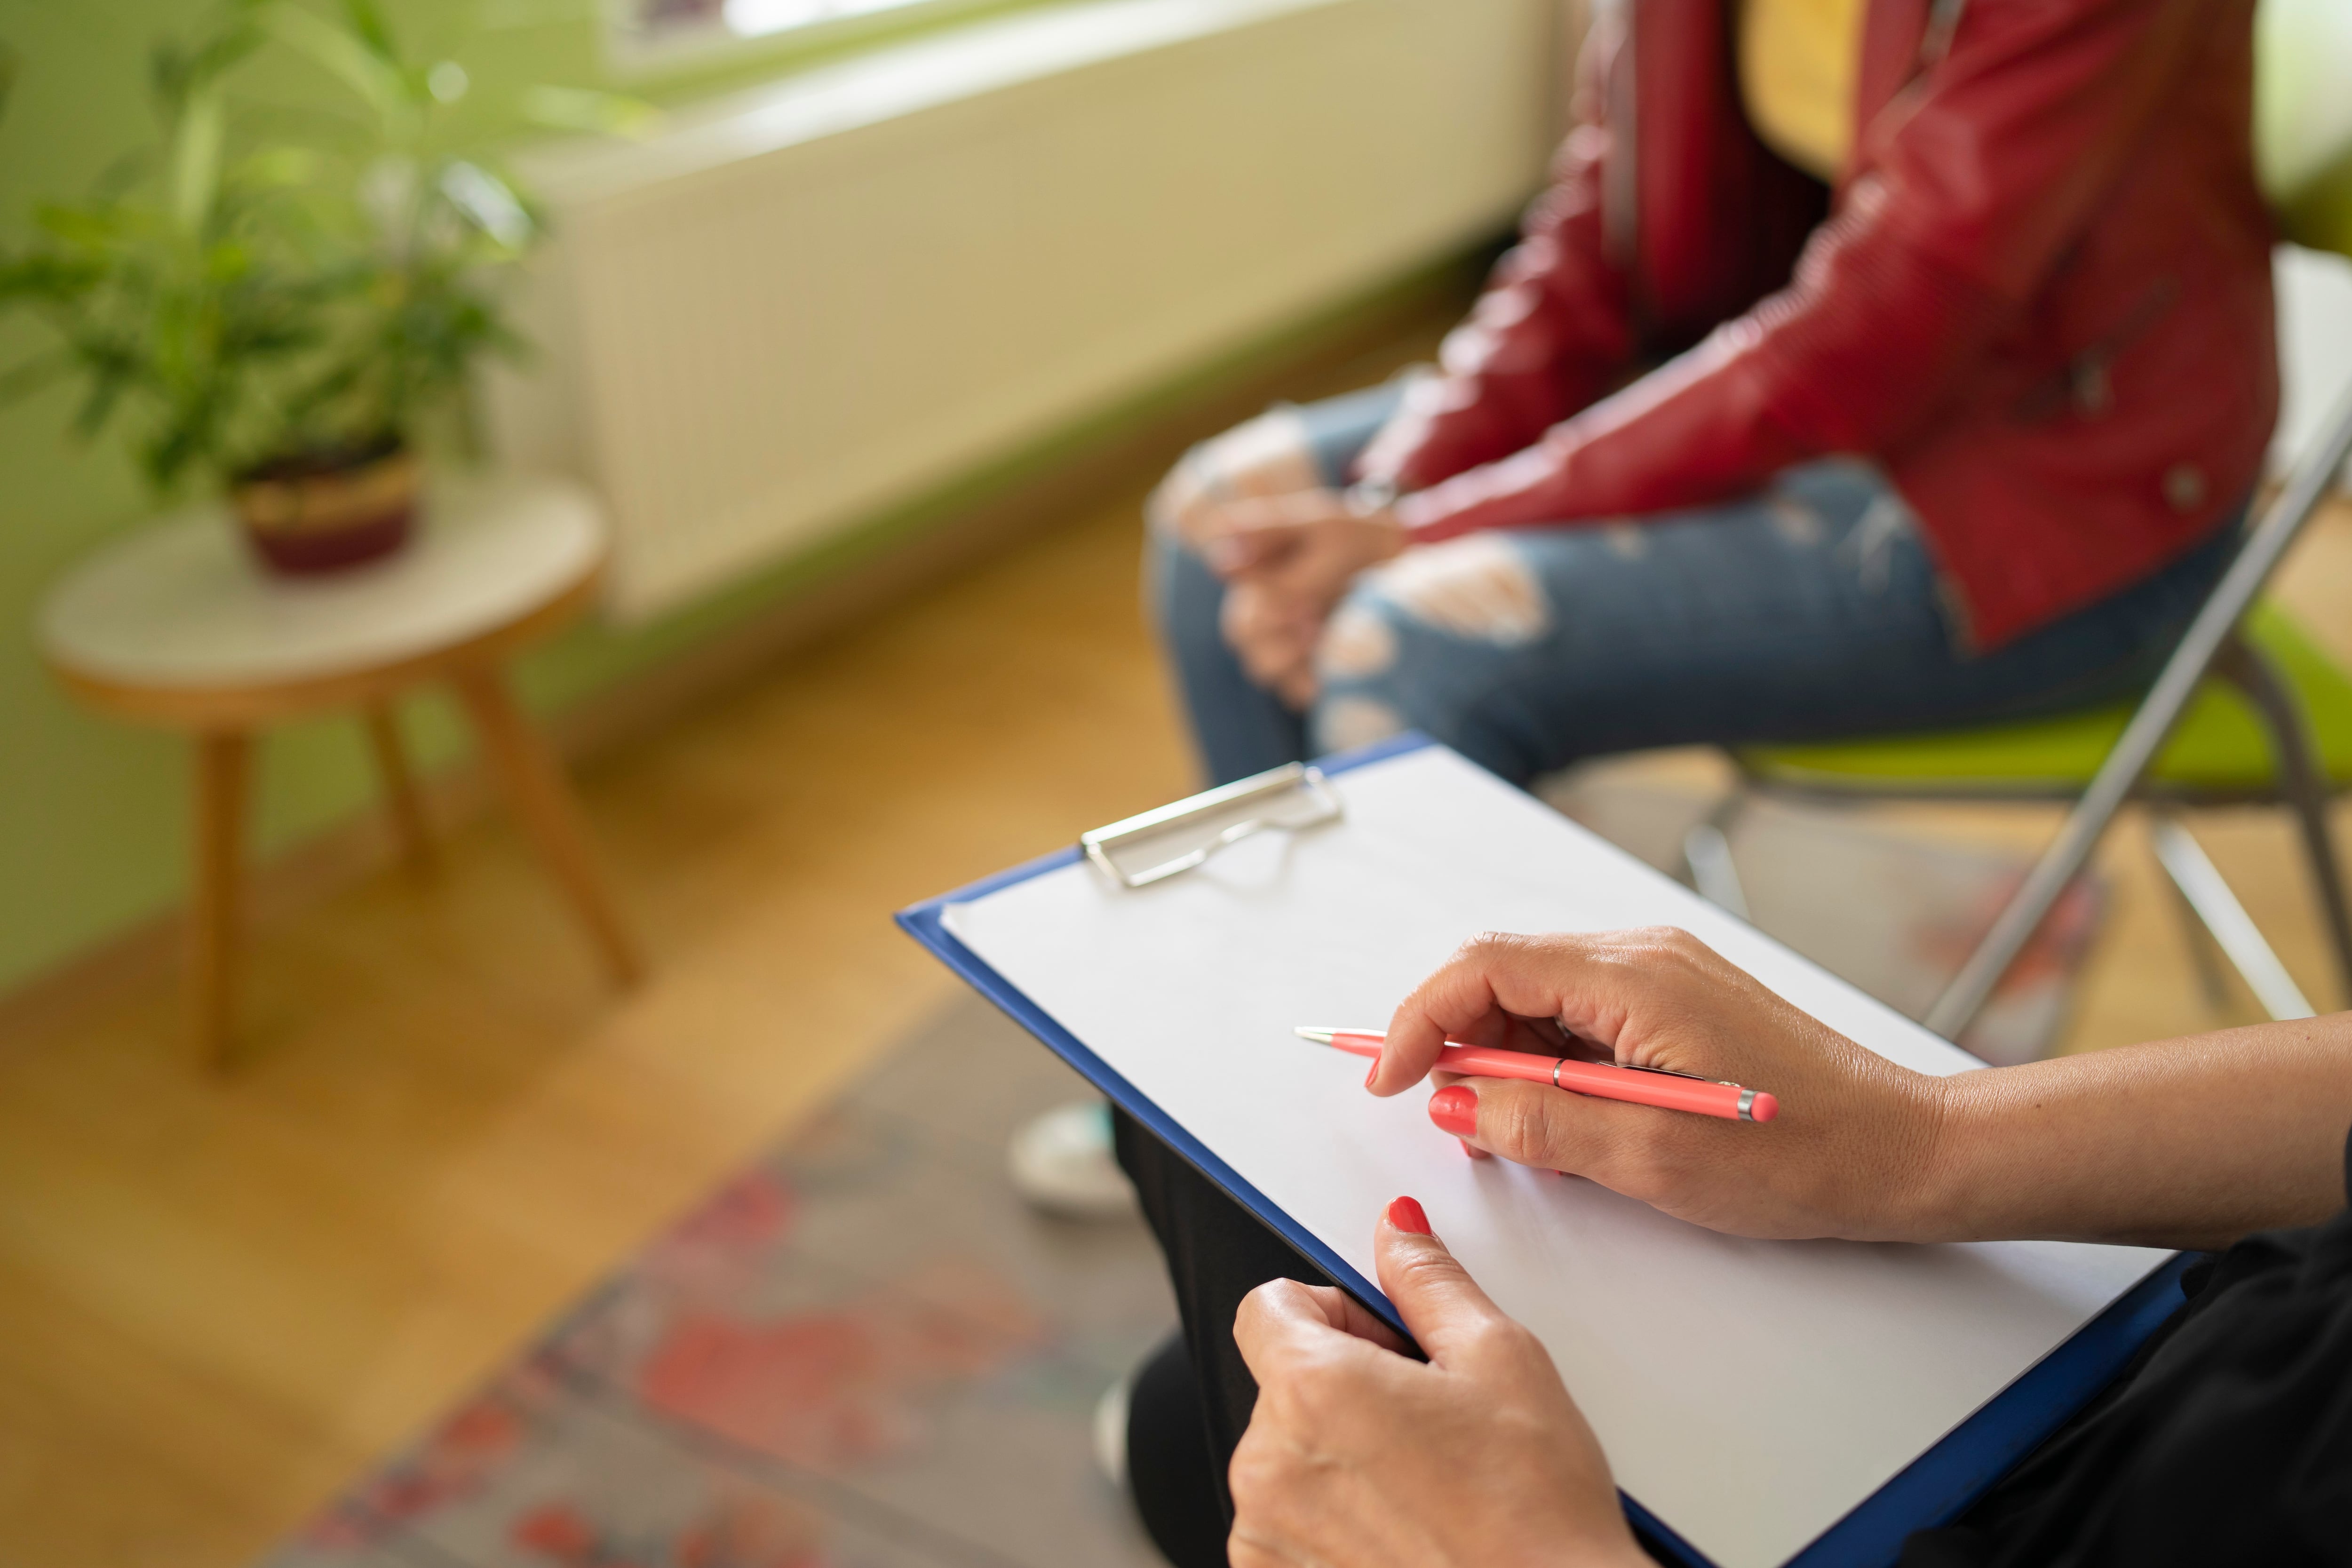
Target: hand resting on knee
{"x": 1254, "y": 505}
{"x": 1265, "y": 456}
{"x": 1287, "y": 563}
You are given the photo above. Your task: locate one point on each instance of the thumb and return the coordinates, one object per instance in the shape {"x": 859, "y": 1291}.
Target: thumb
{"x": 1248, "y": 542}
{"x": 1434, "y": 1294}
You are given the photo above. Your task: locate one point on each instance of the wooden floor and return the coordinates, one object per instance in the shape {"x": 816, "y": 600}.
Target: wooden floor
{"x": 218, "y": 1299}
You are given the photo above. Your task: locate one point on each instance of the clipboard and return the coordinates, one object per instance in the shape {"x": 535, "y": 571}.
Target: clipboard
{"x": 1930, "y": 1489}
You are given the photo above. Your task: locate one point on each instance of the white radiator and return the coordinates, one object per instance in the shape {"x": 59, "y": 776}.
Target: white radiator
{"x": 790, "y": 310}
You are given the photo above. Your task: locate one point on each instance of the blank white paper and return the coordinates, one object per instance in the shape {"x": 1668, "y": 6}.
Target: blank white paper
{"x": 1749, "y": 1394}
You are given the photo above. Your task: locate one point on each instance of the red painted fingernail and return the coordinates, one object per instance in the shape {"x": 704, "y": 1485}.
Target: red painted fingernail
{"x": 1406, "y": 1215}
{"x": 1372, "y": 1072}
{"x": 1455, "y": 1109}
{"x": 1472, "y": 1149}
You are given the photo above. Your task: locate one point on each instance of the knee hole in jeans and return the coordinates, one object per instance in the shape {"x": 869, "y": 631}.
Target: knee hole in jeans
{"x": 1479, "y": 587}
{"x": 1356, "y": 645}
{"x": 1351, "y": 718}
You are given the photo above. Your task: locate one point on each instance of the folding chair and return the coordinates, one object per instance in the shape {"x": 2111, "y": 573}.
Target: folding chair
{"x": 2247, "y": 709}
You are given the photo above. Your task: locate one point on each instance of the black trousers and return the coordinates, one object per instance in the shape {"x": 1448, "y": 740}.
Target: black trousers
{"x": 1191, "y": 1401}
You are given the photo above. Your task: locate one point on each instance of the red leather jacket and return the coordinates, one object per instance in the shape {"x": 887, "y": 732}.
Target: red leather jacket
{"x": 2040, "y": 299}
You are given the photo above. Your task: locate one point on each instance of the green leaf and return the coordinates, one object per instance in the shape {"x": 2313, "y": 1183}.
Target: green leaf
{"x": 279, "y": 166}
{"x": 227, "y": 260}
{"x": 241, "y": 295}
{"x": 175, "y": 449}
{"x": 367, "y": 20}
{"x": 489, "y": 202}
{"x": 196, "y": 156}
{"x": 91, "y": 230}
{"x": 122, "y": 175}
{"x": 223, "y": 52}
{"x": 167, "y": 75}
{"x": 176, "y": 72}
{"x": 50, "y": 281}
{"x": 584, "y": 108}
{"x": 97, "y": 406}
{"x": 375, "y": 76}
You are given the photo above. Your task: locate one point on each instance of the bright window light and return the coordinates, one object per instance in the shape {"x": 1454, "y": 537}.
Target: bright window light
{"x": 754, "y": 18}
{"x": 657, "y": 22}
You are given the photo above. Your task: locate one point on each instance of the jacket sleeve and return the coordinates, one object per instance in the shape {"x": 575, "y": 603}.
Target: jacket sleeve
{"x": 1550, "y": 334}
{"x": 1971, "y": 186}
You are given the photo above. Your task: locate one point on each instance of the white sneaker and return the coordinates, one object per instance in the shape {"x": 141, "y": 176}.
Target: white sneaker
{"x": 1062, "y": 1163}
{"x": 1110, "y": 1432}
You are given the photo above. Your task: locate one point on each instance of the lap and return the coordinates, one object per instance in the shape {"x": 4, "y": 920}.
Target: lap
{"x": 1810, "y": 611}
{"x": 1217, "y": 1253}
{"x": 1327, "y": 434}
{"x": 1813, "y": 610}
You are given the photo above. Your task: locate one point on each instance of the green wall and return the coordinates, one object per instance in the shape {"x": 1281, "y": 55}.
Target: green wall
{"x": 92, "y": 811}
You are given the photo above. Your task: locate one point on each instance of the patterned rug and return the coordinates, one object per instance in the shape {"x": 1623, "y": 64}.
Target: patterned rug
{"x": 866, "y": 1352}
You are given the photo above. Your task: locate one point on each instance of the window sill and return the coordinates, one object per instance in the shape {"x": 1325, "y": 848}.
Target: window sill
{"x": 649, "y": 60}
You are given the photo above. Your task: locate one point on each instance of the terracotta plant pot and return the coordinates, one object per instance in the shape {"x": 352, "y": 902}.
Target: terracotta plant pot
{"x": 324, "y": 511}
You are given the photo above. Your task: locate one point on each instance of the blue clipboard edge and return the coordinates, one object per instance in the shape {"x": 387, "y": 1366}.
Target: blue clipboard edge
{"x": 1938, "y": 1486}
{"x": 926, "y": 923}
{"x": 1932, "y": 1491}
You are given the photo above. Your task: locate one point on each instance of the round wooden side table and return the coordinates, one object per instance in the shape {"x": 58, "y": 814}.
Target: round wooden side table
{"x": 176, "y": 625}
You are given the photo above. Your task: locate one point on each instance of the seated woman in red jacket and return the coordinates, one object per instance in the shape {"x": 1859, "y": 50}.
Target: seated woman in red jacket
{"x": 1870, "y": 364}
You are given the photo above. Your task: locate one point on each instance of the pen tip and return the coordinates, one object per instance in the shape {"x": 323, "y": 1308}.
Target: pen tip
{"x": 1320, "y": 1036}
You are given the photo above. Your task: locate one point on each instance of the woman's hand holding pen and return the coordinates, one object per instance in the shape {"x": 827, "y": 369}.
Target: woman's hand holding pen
{"x": 1357, "y": 1454}
{"x": 1359, "y": 1457}
{"x": 2188, "y": 1143}
{"x": 1850, "y": 1153}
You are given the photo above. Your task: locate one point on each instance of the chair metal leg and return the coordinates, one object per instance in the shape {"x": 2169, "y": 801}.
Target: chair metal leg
{"x": 2199, "y": 881}
{"x": 2302, "y": 781}
{"x": 2313, "y": 478}
{"x": 2205, "y": 954}
{"x": 1707, "y": 854}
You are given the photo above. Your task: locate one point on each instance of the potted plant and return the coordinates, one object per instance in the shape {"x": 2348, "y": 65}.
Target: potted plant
{"x": 277, "y": 304}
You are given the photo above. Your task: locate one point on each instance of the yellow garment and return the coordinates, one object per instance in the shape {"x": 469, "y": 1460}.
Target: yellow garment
{"x": 1798, "y": 59}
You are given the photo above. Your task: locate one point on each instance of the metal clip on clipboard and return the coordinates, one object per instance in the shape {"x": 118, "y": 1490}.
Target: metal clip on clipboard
{"x": 1158, "y": 844}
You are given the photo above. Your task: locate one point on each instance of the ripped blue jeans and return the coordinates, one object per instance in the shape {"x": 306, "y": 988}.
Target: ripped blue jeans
{"x": 1810, "y": 611}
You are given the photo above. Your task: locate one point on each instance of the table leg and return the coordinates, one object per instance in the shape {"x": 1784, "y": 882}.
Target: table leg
{"x": 547, "y": 812}
{"x": 224, "y": 765}
{"x": 400, "y": 797}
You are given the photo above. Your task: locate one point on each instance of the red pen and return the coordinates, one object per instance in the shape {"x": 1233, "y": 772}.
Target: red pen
{"x": 1661, "y": 1087}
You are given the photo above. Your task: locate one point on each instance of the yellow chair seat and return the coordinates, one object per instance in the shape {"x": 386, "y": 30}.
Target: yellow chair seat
{"x": 2219, "y": 749}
